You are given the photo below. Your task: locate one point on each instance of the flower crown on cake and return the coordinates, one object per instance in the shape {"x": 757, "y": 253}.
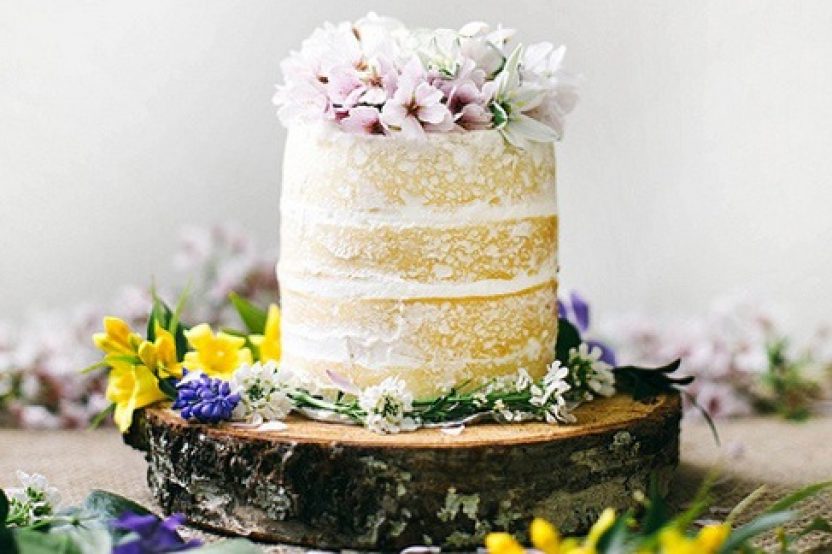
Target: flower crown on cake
{"x": 375, "y": 76}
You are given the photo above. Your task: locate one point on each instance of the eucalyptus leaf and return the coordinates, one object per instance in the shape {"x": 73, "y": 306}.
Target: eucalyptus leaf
{"x": 253, "y": 317}
{"x": 106, "y": 505}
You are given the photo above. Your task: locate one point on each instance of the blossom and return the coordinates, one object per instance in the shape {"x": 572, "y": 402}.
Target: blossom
{"x": 129, "y": 387}
{"x": 264, "y": 392}
{"x": 363, "y": 120}
{"x": 388, "y": 406}
{"x": 205, "y": 399}
{"x": 268, "y": 343}
{"x": 709, "y": 540}
{"x": 575, "y": 309}
{"x": 589, "y": 373}
{"x": 151, "y": 535}
{"x": 117, "y": 338}
{"x": 160, "y": 355}
{"x": 32, "y": 502}
{"x": 549, "y": 395}
{"x": 416, "y": 107}
{"x": 216, "y": 355}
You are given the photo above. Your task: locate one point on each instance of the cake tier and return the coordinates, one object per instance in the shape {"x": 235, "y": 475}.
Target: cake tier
{"x": 432, "y": 343}
{"x": 432, "y": 260}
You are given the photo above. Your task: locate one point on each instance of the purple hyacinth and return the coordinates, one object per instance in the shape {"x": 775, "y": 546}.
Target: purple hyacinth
{"x": 153, "y": 535}
{"x": 575, "y": 310}
{"x": 204, "y": 399}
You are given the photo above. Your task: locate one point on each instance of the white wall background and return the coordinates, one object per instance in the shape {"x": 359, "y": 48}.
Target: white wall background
{"x": 698, "y": 162}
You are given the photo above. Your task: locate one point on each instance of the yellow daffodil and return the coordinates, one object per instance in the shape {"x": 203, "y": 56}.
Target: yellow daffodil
{"x": 160, "y": 355}
{"x": 216, "y": 355}
{"x": 117, "y": 338}
{"x": 130, "y": 387}
{"x": 711, "y": 537}
{"x": 604, "y": 522}
{"x": 708, "y": 541}
{"x": 502, "y": 543}
{"x": 269, "y": 342}
{"x": 545, "y": 536}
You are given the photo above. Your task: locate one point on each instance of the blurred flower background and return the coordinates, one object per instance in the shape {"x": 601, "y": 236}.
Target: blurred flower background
{"x": 743, "y": 362}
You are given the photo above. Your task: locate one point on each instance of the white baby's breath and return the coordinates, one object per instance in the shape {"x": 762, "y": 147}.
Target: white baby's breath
{"x": 33, "y": 501}
{"x": 591, "y": 374}
{"x": 389, "y": 406}
{"x": 264, "y": 392}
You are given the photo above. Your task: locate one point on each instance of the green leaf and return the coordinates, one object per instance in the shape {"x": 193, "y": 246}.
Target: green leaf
{"x": 657, "y": 513}
{"x": 34, "y": 542}
{"x": 93, "y": 367}
{"x": 4, "y": 508}
{"x": 757, "y": 526}
{"x": 817, "y": 524}
{"x": 797, "y": 496}
{"x": 568, "y": 338}
{"x": 253, "y": 317}
{"x": 99, "y": 418}
{"x": 106, "y": 505}
{"x": 168, "y": 386}
{"x": 614, "y": 540}
{"x": 229, "y": 546}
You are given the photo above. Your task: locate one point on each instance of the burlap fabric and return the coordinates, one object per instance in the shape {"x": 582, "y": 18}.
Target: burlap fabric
{"x": 780, "y": 455}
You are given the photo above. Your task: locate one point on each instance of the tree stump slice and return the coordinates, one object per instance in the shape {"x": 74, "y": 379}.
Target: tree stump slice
{"x": 337, "y": 486}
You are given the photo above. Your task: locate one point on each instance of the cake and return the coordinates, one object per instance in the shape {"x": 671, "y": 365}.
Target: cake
{"x": 433, "y": 260}
{"x": 418, "y": 211}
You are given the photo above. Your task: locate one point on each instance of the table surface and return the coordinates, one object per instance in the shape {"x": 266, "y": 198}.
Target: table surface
{"x": 754, "y": 451}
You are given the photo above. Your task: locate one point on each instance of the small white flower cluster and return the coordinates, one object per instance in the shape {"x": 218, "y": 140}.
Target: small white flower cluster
{"x": 33, "y": 501}
{"x": 375, "y": 76}
{"x": 389, "y": 406}
{"x": 264, "y": 393}
{"x": 550, "y": 396}
{"x": 588, "y": 374}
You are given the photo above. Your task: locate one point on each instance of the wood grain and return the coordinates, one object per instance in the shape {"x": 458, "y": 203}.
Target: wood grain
{"x": 338, "y": 486}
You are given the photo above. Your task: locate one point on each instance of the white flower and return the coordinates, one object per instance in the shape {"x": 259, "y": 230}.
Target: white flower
{"x": 589, "y": 370}
{"x": 512, "y": 97}
{"x": 550, "y": 396}
{"x": 264, "y": 392}
{"x": 416, "y": 106}
{"x": 522, "y": 380}
{"x": 33, "y": 501}
{"x": 389, "y": 406}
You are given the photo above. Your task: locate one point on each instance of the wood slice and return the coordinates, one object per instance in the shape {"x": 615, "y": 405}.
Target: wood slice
{"x": 337, "y": 486}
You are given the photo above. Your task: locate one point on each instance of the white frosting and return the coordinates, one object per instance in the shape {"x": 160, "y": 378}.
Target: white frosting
{"x": 381, "y": 288}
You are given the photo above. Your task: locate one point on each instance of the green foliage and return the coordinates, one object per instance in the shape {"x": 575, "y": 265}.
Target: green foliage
{"x": 568, "y": 338}
{"x": 107, "y": 505}
{"x": 254, "y": 317}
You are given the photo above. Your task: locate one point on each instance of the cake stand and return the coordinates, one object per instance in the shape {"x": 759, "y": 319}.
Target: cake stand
{"x": 337, "y": 486}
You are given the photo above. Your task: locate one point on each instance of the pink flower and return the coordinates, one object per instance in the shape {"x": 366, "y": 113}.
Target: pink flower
{"x": 363, "y": 120}
{"x": 416, "y": 106}
{"x": 469, "y": 106}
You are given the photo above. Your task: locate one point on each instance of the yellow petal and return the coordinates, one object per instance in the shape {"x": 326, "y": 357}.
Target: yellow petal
{"x": 147, "y": 354}
{"x": 605, "y": 521}
{"x": 146, "y": 389}
{"x": 711, "y": 537}
{"x": 199, "y": 336}
{"x": 502, "y": 543}
{"x": 544, "y": 536}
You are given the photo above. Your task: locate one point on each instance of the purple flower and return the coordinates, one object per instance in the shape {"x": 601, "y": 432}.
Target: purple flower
{"x": 576, "y": 311}
{"x": 153, "y": 535}
{"x": 204, "y": 399}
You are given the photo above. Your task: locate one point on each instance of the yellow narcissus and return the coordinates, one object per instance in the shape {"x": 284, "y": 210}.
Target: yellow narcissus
{"x": 269, "y": 342}
{"x": 160, "y": 355}
{"x": 215, "y": 355}
{"x": 117, "y": 338}
{"x": 131, "y": 387}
